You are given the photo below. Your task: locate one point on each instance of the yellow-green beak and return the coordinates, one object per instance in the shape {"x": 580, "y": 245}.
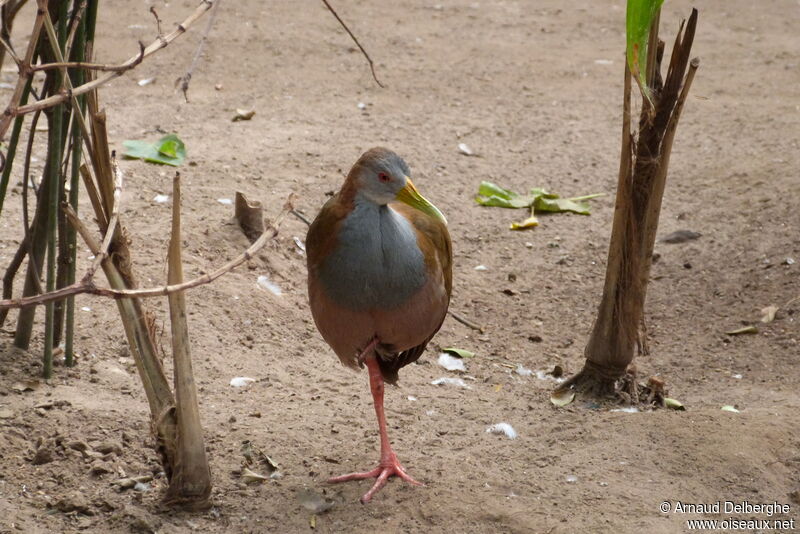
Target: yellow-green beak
{"x": 409, "y": 195}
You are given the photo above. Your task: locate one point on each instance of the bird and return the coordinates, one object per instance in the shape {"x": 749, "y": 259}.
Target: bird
{"x": 379, "y": 259}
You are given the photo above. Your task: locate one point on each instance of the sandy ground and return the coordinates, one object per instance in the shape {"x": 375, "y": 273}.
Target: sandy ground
{"x": 535, "y": 90}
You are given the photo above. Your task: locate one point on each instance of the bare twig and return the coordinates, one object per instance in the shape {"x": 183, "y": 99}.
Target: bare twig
{"x": 102, "y": 254}
{"x": 93, "y": 66}
{"x": 466, "y": 322}
{"x": 76, "y": 21}
{"x": 90, "y": 288}
{"x": 301, "y": 217}
{"x": 183, "y": 81}
{"x": 158, "y": 22}
{"x": 10, "y": 51}
{"x": 11, "y": 273}
{"x": 94, "y": 197}
{"x": 25, "y": 212}
{"x": 14, "y": 109}
{"x": 24, "y": 75}
{"x": 369, "y": 59}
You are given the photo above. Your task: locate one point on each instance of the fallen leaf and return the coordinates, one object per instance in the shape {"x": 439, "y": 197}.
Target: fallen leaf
{"x": 744, "y": 330}
{"x": 559, "y": 205}
{"x": 253, "y": 456}
{"x": 530, "y": 222}
{"x": 128, "y": 483}
{"x": 25, "y": 385}
{"x": 674, "y": 404}
{"x": 562, "y": 397}
{"x": 768, "y": 314}
{"x": 729, "y": 408}
{"x": 493, "y": 195}
{"x": 461, "y": 353}
{"x": 537, "y": 200}
{"x": 169, "y": 150}
{"x": 251, "y": 477}
{"x": 243, "y": 115}
{"x": 680, "y": 236}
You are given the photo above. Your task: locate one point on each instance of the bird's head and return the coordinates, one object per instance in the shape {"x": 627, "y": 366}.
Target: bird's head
{"x": 382, "y": 177}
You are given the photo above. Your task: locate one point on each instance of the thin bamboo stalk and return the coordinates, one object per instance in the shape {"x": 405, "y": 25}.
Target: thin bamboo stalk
{"x": 78, "y": 53}
{"x": 54, "y": 152}
{"x": 62, "y": 259}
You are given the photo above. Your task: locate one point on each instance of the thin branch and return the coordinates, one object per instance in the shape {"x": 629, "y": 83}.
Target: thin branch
{"x": 73, "y": 30}
{"x": 11, "y": 273}
{"x": 14, "y": 109}
{"x": 94, "y": 197}
{"x": 89, "y": 287}
{"x": 183, "y": 81}
{"x": 301, "y": 217}
{"x": 92, "y": 66}
{"x": 369, "y": 59}
{"x": 466, "y": 322}
{"x": 25, "y": 212}
{"x": 10, "y": 51}
{"x": 102, "y": 253}
{"x": 24, "y": 75}
{"x": 158, "y": 22}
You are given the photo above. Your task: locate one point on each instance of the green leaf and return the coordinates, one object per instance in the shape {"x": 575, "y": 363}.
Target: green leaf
{"x": 538, "y": 199}
{"x": 461, "y": 353}
{"x": 488, "y": 189}
{"x": 169, "y": 150}
{"x": 490, "y": 194}
{"x": 638, "y": 19}
{"x": 559, "y": 205}
{"x": 539, "y": 192}
{"x": 674, "y": 404}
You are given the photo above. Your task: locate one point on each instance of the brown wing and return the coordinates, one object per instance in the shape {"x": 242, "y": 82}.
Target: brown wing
{"x": 433, "y": 239}
{"x": 321, "y": 237}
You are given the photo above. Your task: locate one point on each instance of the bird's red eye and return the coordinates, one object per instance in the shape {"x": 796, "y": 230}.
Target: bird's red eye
{"x": 383, "y": 177}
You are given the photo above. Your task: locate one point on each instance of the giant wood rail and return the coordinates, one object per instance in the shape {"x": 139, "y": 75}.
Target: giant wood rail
{"x": 379, "y": 280}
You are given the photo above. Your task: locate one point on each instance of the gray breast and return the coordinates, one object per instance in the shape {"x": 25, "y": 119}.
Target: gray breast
{"x": 377, "y": 262}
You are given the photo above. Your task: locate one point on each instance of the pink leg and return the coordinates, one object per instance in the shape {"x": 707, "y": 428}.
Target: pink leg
{"x": 389, "y": 465}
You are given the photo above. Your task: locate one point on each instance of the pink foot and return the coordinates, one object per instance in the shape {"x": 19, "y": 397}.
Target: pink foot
{"x": 388, "y": 467}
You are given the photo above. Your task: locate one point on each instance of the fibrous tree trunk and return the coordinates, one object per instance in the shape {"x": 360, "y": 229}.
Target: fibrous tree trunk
{"x": 642, "y": 176}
